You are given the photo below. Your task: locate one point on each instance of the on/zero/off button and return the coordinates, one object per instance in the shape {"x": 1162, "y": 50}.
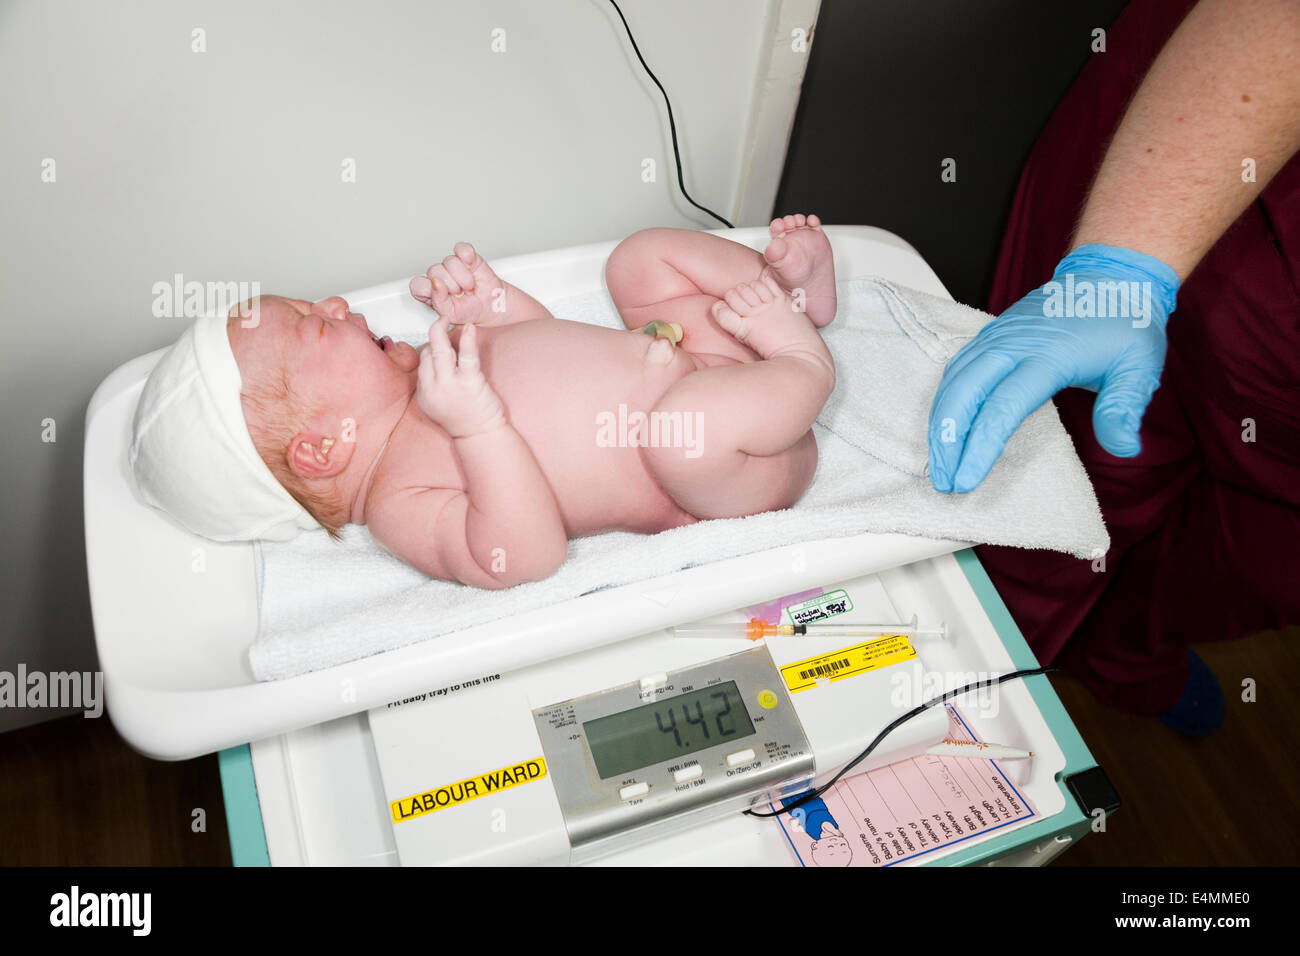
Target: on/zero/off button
{"x": 652, "y": 682}
{"x": 634, "y": 790}
{"x": 739, "y": 757}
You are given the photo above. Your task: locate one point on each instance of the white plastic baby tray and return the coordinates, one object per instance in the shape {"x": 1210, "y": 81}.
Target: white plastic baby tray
{"x": 175, "y": 614}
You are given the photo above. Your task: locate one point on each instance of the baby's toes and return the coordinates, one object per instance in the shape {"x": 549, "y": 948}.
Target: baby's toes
{"x": 728, "y": 318}
{"x": 767, "y": 283}
{"x": 736, "y": 301}
{"x": 776, "y": 250}
{"x": 749, "y": 290}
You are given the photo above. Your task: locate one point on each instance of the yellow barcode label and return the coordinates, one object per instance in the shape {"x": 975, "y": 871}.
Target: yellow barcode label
{"x": 838, "y": 665}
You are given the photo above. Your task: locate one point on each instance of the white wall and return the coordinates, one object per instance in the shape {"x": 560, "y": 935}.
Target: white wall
{"x": 226, "y": 166}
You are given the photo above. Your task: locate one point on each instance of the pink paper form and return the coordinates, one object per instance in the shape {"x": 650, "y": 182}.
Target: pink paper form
{"x": 905, "y": 810}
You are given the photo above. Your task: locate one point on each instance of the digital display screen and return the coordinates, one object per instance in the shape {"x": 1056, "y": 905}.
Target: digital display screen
{"x": 668, "y": 728}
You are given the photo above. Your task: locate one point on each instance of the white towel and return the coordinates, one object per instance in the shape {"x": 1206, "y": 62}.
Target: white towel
{"x": 326, "y": 603}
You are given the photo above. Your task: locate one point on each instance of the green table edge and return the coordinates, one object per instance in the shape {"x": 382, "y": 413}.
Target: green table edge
{"x": 248, "y": 836}
{"x": 243, "y": 811}
{"x": 1071, "y": 820}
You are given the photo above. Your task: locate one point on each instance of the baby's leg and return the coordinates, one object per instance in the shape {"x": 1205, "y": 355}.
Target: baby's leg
{"x": 676, "y": 275}
{"x": 754, "y": 450}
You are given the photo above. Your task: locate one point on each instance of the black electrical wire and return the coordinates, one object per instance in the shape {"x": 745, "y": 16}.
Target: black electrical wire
{"x": 813, "y": 794}
{"x": 672, "y": 125}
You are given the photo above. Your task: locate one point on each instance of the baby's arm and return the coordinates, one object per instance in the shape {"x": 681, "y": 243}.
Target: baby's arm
{"x": 505, "y": 527}
{"x": 464, "y": 289}
{"x": 497, "y": 533}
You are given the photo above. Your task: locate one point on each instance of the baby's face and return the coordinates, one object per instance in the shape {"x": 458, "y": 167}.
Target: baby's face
{"x": 832, "y": 851}
{"x": 328, "y": 353}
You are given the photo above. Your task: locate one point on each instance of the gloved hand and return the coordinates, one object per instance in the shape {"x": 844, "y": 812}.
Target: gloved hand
{"x": 1084, "y": 328}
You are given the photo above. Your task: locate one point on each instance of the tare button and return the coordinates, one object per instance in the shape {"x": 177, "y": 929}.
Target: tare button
{"x": 634, "y": 790}
{"x": 739, "y": 757}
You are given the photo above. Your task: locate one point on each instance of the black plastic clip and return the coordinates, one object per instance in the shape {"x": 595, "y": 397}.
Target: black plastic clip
{"x": 1093, "y": 789}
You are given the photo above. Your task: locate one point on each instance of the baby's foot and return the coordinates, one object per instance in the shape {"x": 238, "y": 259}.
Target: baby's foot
{"x": 463, "y": 288}
{"x": 800, "y": 257}
{"x": 759, "y": 314}
{"x": 762, "y": 316}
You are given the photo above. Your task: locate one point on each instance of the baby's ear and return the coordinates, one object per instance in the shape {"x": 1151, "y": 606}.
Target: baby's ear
{"x": 313, "y": 455}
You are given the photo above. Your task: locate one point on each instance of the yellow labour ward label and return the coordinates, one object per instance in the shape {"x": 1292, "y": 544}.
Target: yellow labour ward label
{"x": 463, "y": 791}
{"x": 838, "y": 665}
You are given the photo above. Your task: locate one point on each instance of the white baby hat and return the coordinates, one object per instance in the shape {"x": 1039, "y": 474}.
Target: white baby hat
{"x": 191, "y": 453}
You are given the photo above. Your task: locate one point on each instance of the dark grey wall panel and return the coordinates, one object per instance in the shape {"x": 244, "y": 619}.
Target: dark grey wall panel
{"x": 894, "y": 88}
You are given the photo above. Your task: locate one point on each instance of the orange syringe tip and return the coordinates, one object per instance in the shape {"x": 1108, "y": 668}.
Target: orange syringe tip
{"x": 757, "y": 629}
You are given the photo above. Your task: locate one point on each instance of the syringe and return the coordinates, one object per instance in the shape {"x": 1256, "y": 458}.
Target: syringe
{"x": 756, "y": 630}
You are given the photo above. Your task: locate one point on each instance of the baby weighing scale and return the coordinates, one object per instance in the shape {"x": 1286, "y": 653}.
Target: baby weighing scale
{"x": 587, "y": 762}
{"x": 493, "y": 744}
{"x": 512, "y": 769}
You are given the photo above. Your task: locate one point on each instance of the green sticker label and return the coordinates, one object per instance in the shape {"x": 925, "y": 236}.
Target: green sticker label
{"x": 820, "y": 608}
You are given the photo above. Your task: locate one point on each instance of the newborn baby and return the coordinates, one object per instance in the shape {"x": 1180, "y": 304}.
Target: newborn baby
{"x": 475, "y": 458}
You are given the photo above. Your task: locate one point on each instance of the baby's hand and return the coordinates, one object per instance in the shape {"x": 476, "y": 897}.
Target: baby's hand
{"x": 452, "y": 390}
{"x": 462, "y": 288}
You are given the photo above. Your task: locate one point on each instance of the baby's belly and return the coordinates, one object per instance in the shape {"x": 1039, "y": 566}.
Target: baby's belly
{"x": 579, "y": 396}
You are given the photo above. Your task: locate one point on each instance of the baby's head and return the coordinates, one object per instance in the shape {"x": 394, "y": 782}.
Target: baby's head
{"x": 251, "y": 427}
{"x": 311, "y": 376}
{"x": 832, "y": 849}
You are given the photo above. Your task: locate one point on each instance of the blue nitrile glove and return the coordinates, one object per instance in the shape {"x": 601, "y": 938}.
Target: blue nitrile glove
{"x": 1046, "y": 342}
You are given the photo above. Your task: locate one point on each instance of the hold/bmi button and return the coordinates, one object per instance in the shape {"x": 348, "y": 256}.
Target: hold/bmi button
{"x": 634, "y": 790}
{"x": 688, "y": 773}
{"x": 739, "y": 757}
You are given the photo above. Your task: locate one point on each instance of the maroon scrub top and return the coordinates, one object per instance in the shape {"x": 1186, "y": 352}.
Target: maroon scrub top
{"x": 1205, "y": 522}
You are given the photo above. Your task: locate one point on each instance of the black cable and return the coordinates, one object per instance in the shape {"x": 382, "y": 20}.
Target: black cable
{"x": 813, "y": 794}
{"x": 672, "y": 125}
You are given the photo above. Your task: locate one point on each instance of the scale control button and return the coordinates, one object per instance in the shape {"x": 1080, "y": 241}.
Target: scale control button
{"x": 634, "y": 790}
{"x": 767, "y": 700}
{"x": 688, "y": 773}
{"x": 654, "y": 680}
{"x": 741, "y": 756}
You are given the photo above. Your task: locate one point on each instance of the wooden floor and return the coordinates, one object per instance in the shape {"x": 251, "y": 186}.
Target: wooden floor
{"x": 1230, "y": 799}
{"x": 72, "y": 793}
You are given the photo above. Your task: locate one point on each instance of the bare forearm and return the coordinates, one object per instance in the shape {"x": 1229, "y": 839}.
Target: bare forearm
{"x": 513, "y": 525}
{"x": 1226, "y": 88}
{"x": 516, "y": 305}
